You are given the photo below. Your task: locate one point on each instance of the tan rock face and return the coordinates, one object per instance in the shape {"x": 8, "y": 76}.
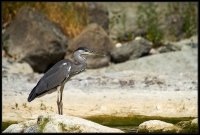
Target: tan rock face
{"x": 59, "y": 123}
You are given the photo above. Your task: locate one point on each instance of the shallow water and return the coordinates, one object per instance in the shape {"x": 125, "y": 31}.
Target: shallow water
{"x": 132, "y": 120}
{"x": 128, "y": 124}
{"x": 6, "y": 124}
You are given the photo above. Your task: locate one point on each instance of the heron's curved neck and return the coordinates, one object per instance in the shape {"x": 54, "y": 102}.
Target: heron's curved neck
{"x": 80, "y": 62}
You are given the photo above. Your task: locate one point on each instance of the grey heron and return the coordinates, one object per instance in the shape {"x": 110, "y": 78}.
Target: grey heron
{"x": 56, "y": 77}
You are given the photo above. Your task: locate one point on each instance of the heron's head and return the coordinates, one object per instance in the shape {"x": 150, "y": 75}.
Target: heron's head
{"x": 86, "y": 51}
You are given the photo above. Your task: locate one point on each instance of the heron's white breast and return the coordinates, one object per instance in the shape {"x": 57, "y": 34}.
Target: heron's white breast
{"x": 69, "y": 68}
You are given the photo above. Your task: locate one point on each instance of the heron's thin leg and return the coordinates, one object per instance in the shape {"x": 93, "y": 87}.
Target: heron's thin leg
{"x": 61, "y": 104}
{"x": 58, "y": 101}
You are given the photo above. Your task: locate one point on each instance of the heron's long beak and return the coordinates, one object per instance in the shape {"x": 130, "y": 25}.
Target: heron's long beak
{"x": 89, "y": 53}
{"x": 93, "y": 53}
{"x": 98, "y": 54}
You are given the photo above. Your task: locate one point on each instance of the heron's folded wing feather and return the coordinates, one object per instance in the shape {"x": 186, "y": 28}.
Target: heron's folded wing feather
{"x": 53, "y": 80}
{"x": 56, "y": 67}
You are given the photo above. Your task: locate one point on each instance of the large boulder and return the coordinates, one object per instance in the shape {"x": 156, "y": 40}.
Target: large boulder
{"x": 95, "y": 38}
{"x": 58, "y": 124}
{"x": 132, "y": 50}
{"x": 31, "y": 37}
{"x": 157, "y": 126}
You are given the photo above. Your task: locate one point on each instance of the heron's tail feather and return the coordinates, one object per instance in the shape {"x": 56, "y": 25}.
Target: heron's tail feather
{"x": 32, "y": 95}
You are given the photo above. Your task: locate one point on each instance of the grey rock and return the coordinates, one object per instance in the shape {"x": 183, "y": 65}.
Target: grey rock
{"x": 6, "y": 63}
{"x": 190, "y": 126}
{"x": 59, "y": 123}
{"x": 31, "y": 129}
{"x": 132, "y": 50}
{"x": 185, "y": 44}
{"x": 157, "y": 126}
{"x": 168, "y": 48}
{"x": 14, "y": 128}
{"x": 153, "y": 51}
{"x": 191, "y": 42}
{"x": 93, "y": 37}
{"x": 121, "y": 54}
{"x": 35, "y": 39}
{"x": 15, "y": 67}
{"x": 141, "y": 46}
{"x": 21, "y": 127}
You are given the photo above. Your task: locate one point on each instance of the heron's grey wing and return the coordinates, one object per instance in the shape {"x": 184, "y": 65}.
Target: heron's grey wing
{"x": 56, "y": 67}
{"x": 51, "y": 80}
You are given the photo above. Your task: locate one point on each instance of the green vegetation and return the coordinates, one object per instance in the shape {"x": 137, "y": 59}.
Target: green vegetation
{"x": 7, "y": 124}
{"x": 178, "y": 20}
{"x": 148, "y": 19}
{"x": 75, "y": 128}
{"x": 125, "y": 37}
{"x": 119, "y": 20}
{"x": 42, "y": 124}
{"x": 184, "y": 16}
{"x": 71, "y": 16}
